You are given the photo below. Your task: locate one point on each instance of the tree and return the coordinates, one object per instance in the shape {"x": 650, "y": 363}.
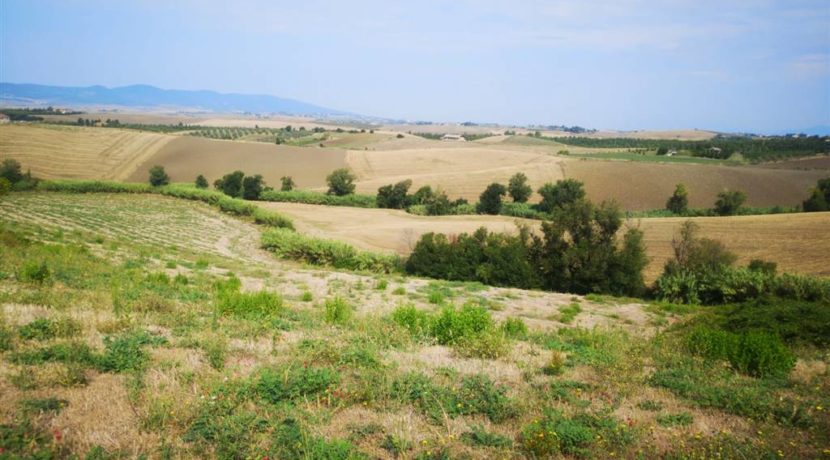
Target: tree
{"x": 561, "y": 194}
{"x": 287, "y": 183}
{"x": 518, "y": 188}
{"x": 393, "y": 196}
{"x": 662, "y": 150}
{"x": 158, "y": 176}
{"x": 11, "y": 171}
{"x": 231, "y": 184}
{"x": 201, "y": 182}
{"x": 819, "y": 199}
{"x": 490, "y": 200}
{"x": 423, "y": 195}
{"x": 252, "y": 187}
{"x": 679, "y": 201}
{"x": 439, "y": 205}
{"x": 697, "y": 255}
{"x": 729, "y": 202}
{"x": 341, "y": 182}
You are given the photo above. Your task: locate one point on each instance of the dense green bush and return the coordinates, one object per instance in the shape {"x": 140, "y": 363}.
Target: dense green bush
{"x": 337, "y": 311}
{"x": 311, "y": 197}
{"x": 341, "y": 182}
{"x": 416, "y": 321}
{"x": 518, "y": 189}
{"x": 562, "y": 193}
{"x": 394, "y": 196}
{"x": 252, "y": 187}
{"x": 491, "y": 198}
{"x": 797, "y": 322}
{"x": 522, "y": 210}
{"x": 678, "y": 203}
{"x": 158, "y": 176}
{"x": 290, "y": 245}
{"x": 230, "y": 184}
{"x": 819, "y": 199}
{"x": 201, "y": 182}
{"x": 754, "y": 353}
{"x": 729, "y": 202}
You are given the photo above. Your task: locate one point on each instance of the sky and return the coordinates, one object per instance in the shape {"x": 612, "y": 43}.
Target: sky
{"x": 729, "y": 65}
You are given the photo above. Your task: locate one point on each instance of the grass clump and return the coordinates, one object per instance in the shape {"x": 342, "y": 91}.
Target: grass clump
{"x": 554, "y": 433}
{"x": 514, "y": 328}
{"x": 71, "y": 352}
{"x": 416, "y": 321}
{"x": 306, "y": 296}
{"x": 42, "y": 405}
{"x": 276, "y": 385}
{"x": 337, "y": 311}
{"x": 568, "y": 313}
{"x": 478, "y": 436}
{"x": 252, "y": 306}
{"x": 45, "y": 329}
{"x": 475, "y": 394}
{"x": 126, "y": 352}
{"x": 35, "y": 272}
{"x": 679, "y": 419}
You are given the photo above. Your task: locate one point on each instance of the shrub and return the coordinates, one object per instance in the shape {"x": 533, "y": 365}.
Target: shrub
{"x": 555, "y": 364}
{"x": 561, "y": 194}
{"x": 819, "y": 199}
{"x": 729, "y": 202}
{"x": 272, "y": 219}
{"x": 201, "y": 182}
{"x": 5, "y": 186}
{"x": 341, "y": 182}
{"x": 256, "y": 305}
{"x": 35, "y": 272}
{"x": 754, "y": 353}
{"x": 763, "y": 266}
{"x": 490, "y": 200}
{"x": 338, "y": 311}
{"x": 514, "y": 328}
{"x": 394, "y": 196}
{"x": 518, "y": 189}
{"x": 288, "y": 383}
{"x": 287, "y": 184}
{"x": 230, "y": 184}
{"x": 290, "y": 245}
{"x": 252, "y": 187}
{"x": 474, "y": 394}
{"x": 797, "y": 322}
{"x": 158, "y": 176}
{"x": 451, "y": 324}
{"x": 312, "y": 197}
{"x": 679, "y": 201}
{"x": 45, "y": 329}
{"x": 489, "y": 344}
{"x": 125, "y": 352}
{"x": 416, "y": 321}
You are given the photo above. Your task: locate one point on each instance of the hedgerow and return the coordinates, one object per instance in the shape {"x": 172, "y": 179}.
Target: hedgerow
{"x": 290, "y": 245}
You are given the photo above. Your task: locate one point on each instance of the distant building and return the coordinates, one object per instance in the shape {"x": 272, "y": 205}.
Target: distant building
{"x": 715, "y": 150}
{"x": 671, "y": 153}
{"x": 4, "y": 118}
{"x": 453, "y": 137}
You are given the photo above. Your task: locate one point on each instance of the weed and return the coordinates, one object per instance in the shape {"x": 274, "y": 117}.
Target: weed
{"x": 555, "y": 364}
{"x": 568, "y": 313}
{"x": 337, "y": 311}
{"x": 35, "y": 272}
{"x": 679, "y": 419}
{"x": 488, "y": 344}
{"x": 475, "y": 394}
{"x": 416, "y": 321}
{"x": 306, "y": 297}
{"x": 251, "y": 306}
{"x": 39, "y": 406}
{"x": 125, "y": 352}
{"x": 514, "y": 328}
{"x": 436, "y": 297}
{"x": 287, "y": 383}
{"x": 650, "y": 405}
{"x": 478, "y": 436}
{"x": 451, "y": 325}
{"x": 396, "y": 445}
{"x": 400, "y": 290}
{"x": 381, "y": 285}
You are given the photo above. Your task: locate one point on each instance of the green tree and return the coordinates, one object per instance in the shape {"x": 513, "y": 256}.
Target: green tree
{"x": 518, "y": 188}
{"x": 393, "y": 196}
{"x": 729, "y": 202}
{"x": 422, "y": 196}
{"x": 231, "y": 184}
{"x": 252, "y": 187}
{"x": 678, "y": 203}
{"x": 490, "y": 200}
{"x": 563, "y": 193}
{"x": 201, "y": 182}
{"x": 287, "y": 183}
{"x": 819, "y": 199}
{"x": 11, "y": 170}
{"x": 341, "y": 182}
{"x": 662, "y": 150}
{"x": 439, "y": 205}
{"x": 158, "y": 176}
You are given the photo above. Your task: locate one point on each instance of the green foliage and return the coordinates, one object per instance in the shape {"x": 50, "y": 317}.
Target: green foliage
{"x": 729, "y": 202}
{"x": 252, "y": 187}
{"x": 293, "y": 443}
{"x": 754, "y": 353}
{"x": 490, "y": 200}
{"x": 451, "y": 325}
{"x": 22, "y": 440}
{"x": 416, "y": 321}
{"x": 271, "y": 219}
{"x": 93, "y": 186}
{"x": 567, "y": 313}
{"x": 72, "y": 352}
{"x": 341, "y": 182}
{"x": 514, "y": 328}
{"x": 306, "y": 297}
{"x": 201, "y": 182}
{"x": 5, "y": 186}
{"x": 338, "y": 311}
{"x": 276, "y": 385}
{"x": 819, "y": 199}
{"x": 39, "y": 406}
{"x": 518, "y": 189}
{"x": 290, "y": 245}
{"x": 523, "y": 210}
{"x": 312, "y": 197}
{"x": 46, "y": 329}
{"x": 555, "y": 433}
{"x": 287, "y": 184}
{"x": 158, "y": 176}
{"x": 797, "y": 322}
{"x": 474, "y": 394}
{"x": 394, "y": 196}
{"x": 230, "y": 184}
{"x": 679, "y": 201}
{"x": 35, "y": 272}
{"x": 478, "y": 436}
{"x": 126, "y": 352}
{"x": 563, "y": 193}
{"x": 763, "y": 266}
{"x": 11, "y": 170}
{"x": 489, "y": 344}
{"x": 670, "y": 420}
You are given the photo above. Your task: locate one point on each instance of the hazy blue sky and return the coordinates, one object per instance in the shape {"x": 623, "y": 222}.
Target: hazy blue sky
{"x": 750, "y": 65}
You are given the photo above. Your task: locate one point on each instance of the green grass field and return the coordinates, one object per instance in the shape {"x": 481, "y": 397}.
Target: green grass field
{"x": 142, "y": 325}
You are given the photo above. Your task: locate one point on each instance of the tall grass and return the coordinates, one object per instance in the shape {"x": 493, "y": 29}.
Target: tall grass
{"x": 311, "y": 197}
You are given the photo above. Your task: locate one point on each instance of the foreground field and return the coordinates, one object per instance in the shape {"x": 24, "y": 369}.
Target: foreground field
{"x": 797, "y": 242}
{"x": 52, "y": 151}
{"x": 135, "y": 340}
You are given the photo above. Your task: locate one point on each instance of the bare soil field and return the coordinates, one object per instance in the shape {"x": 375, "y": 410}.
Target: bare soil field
{"x": 822, "y": 163}
{"x": 52, "y": 151}
{"x": 797, "y": 242}
{"x": 186, "y": 157}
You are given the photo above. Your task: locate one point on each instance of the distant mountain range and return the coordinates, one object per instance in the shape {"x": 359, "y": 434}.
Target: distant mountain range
{"x": 150, "y": 97}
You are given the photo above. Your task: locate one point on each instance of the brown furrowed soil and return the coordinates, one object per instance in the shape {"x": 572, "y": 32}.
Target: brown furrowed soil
{"x": 797, "y": 242}
{"x": 186, "y": 157}
{"x": 52, "y": 151}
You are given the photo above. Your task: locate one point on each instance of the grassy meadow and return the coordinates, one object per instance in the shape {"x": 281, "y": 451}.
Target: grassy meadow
{"x": 141, "y": 325}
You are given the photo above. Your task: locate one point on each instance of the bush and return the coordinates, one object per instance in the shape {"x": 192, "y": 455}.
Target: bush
{"x": 819, "y": 199}
{"x": 35, "y": 272}
{"x": 272, "y": 219}
{"x": 563, "y": 193}
{"x": 46, "y": 329}
{"x": 451, "y": 324}
{"x": 252, "y": 187}
{"x": 394, "y": 196}
{"x": 489, "y": 344}
{"x": 338, "y": 311}
{"x": 518, "y": 189}
{"x": 311, "y": 197}
{"x": 416, "y": 321}
{"x": 514, "y": 328}
{"x": 290, "y": 245}
{"x": 276, "y": 385}
{"x": 158, "y": 176}
{"x": 230, "y": 184}
{"x": 729, "y": 202}
{"x": 5, "y": 186}
{"x": 679, "y": 201}
{"x": 754, "y": 353}
{"x": 763, "y": 266}
{"x": 255, "y": 305}
{"x": 341, "y": 182}
{"x": 797, "y": 322}
{"x": 201, "y": 182}
{"x": 11, "y": 170}
{"x": 490, "y": 200}
{"x": 287, "y": 184}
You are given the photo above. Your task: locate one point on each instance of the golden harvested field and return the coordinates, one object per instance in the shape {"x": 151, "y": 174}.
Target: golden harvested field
{"x": 186, "y": 157}
{"x": 799, "y": 243}
{"x": 52, "y": 151}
